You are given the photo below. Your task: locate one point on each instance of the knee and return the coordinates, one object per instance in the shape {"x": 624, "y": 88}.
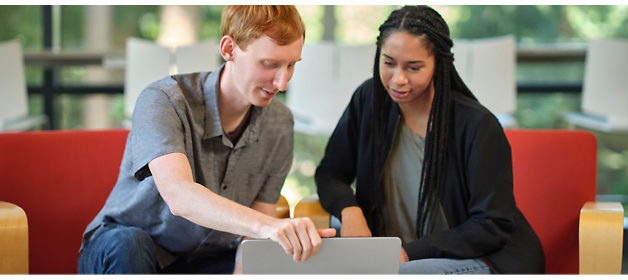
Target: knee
{"x": 119, "y": 250}
{"x": 132, "y": 241}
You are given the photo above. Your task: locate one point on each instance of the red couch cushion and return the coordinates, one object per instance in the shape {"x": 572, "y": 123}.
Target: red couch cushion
{"x": 61, "y": 179}
{"x": 554, "y": 175}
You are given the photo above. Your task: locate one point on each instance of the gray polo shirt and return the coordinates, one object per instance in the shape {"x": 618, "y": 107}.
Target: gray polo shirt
{"x": 179, "y": 114}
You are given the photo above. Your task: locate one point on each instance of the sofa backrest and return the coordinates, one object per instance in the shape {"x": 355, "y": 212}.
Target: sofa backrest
{"x": 61, "y": 179}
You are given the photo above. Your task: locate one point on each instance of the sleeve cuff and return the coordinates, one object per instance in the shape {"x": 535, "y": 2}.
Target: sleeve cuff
{"x": 418, "y": 249}
{"x": 342, "y": 203}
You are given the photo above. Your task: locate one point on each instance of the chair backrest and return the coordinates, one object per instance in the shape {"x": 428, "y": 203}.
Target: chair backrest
{"x": 61, "y": 179}
{"x": 13, "y": 99}
{"x": 554, "y": 175}
{"x": 146, "y": 62}
{"x": 605, "y": 85}
{"x": 488, "y": 68}
{"x": 200, "y": 57}
{"x": 323, "y": 83}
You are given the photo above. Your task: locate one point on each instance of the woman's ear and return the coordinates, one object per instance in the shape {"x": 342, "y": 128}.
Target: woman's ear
{"x": 227, "y": 47}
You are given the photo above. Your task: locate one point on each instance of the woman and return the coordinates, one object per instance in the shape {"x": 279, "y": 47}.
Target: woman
{"x": 433, "y": 166}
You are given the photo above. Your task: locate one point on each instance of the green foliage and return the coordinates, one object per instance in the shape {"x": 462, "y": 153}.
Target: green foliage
{"x": 547, "y": 72}
{"x": 544, "y": 110}
{"x": 612, "y": 165}
{"x": 140, "y": 21}
{"x": 589, "y": 22}
{"x": 540, "y": 23}
{"x": 72, "y": 26}
{"x": 69, "y": 111}
{"x": 22, "y": 22}
{"x": 149, "y": 25}
{"x": 312, "y": 16}
{"x": 308, "y": 152}
{"x": 210, "y": 27}
{"x": 116, "y": 110}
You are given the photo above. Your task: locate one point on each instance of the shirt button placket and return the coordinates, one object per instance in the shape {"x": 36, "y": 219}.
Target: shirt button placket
{"x": 230, "y": 166}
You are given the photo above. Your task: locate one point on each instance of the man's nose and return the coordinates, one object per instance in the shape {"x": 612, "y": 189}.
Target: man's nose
{"x": 281, "y": 79}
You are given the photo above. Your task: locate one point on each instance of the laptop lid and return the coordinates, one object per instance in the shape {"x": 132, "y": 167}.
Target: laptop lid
{"x": 342, "y": 255}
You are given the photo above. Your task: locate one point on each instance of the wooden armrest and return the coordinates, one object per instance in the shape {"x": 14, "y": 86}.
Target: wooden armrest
{"x": 283, "y": 208}
{"x": 311, "y": 207}
{"x": 601, "y": 237}
{"x": 13, "y": 239}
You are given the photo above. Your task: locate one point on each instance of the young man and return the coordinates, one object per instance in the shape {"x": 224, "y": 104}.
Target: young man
{"x": 206, "y": 158}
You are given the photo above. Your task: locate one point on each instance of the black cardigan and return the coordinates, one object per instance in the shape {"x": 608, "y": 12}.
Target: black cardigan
{"x": 478, "y": 202}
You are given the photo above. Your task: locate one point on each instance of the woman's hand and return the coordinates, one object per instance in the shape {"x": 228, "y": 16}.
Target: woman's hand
{"x": 353, "y": 223}
{"x": 403, "y": 257}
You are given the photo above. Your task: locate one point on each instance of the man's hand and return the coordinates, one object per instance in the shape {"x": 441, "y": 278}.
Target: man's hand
{"x": 403, "y": 257}
{"x": 354, "y": 224}
{"x": 298, "y": 237}
{"x": 330, "y": 232}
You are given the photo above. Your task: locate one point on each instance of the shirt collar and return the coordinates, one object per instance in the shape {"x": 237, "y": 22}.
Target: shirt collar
{"x": 211, "y": 88}
{"x": 213, "y": 128}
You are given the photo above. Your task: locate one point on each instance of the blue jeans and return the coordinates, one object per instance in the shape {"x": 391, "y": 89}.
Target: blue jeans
{"x": 118, "y": 249}
{"x": 444, "y": 266}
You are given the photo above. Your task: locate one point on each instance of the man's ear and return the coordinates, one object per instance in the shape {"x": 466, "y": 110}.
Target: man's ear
{"x": 227, "y": 47}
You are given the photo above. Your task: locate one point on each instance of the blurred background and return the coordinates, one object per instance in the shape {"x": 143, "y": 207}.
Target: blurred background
{"x": 75, "y": 63}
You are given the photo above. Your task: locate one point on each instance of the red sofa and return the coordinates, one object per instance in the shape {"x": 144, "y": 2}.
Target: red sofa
{"x": 61, "y": 179}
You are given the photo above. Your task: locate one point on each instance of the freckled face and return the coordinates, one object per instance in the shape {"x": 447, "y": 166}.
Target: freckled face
{"x": 265, "y": 68}
{"x": 407, "y": 69}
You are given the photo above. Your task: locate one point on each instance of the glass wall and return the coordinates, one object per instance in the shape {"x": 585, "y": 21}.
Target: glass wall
{"x": 106, "y": 28}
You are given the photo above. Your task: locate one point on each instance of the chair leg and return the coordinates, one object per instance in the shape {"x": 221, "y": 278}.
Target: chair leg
{"x": 13, "y": 239}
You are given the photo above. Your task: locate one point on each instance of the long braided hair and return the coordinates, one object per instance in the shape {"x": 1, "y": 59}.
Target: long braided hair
{"x": 431, "y": 29}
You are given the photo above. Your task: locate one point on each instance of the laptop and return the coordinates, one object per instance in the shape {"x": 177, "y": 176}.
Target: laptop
{"x": 340, "y": 255}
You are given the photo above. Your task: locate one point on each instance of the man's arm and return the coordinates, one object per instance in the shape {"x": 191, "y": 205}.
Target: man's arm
{"x": 190, "y": 200}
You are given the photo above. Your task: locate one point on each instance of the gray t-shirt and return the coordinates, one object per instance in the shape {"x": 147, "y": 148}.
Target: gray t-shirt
{"x": 179, "y": 114}
{"x": 401, "y": 181}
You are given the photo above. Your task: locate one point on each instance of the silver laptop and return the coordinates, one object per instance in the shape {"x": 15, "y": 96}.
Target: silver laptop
{"x": 341, "y": 255}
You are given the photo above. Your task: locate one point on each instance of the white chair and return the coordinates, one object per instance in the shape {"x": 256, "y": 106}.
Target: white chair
{"x": 605, "y": 88}
{"x": 488, "y": 68}
{"x": 323, "y": 83}
{"x": 148, "y": 62}
{"x": 200, "y": 57}
{"x": 13, "y": 94}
